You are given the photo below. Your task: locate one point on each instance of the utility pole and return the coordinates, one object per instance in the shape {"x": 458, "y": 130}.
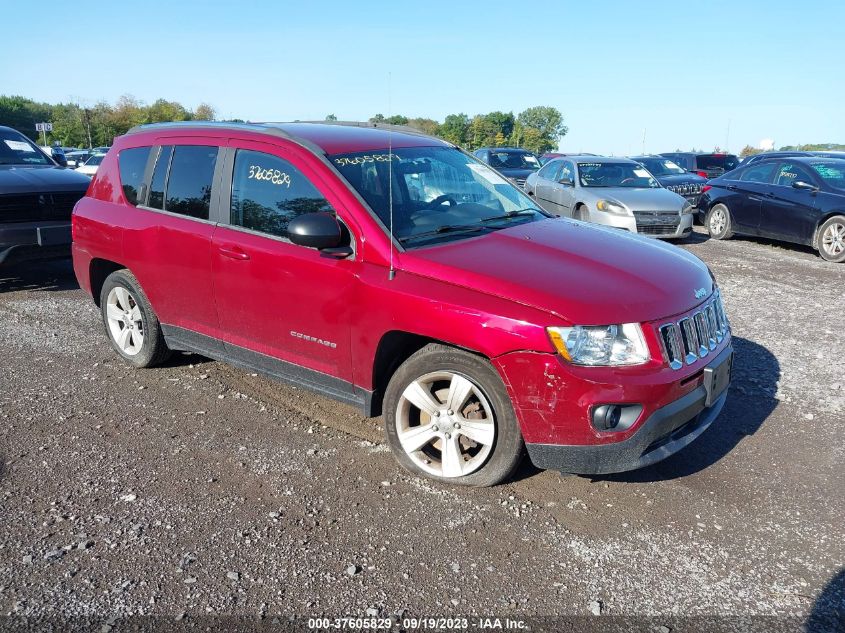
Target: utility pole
{"x": 644, "y": 131}
{"x": 87, "y": 113}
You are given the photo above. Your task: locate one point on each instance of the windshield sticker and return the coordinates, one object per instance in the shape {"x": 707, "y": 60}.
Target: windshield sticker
{"x": 368, "y": 158}
{"x": 589, "y": 164}
{"x": 530, "y": 159}
{"x": 274, "y": 176}
{"x": 488, "y": 174}
{"x": 642, "y": 173}
{"x": 19, "y": 146}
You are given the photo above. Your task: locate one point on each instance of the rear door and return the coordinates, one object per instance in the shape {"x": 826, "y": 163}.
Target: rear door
{"x": 168, "y": 245}
{"x": 746, "y": 195}
{"x": 276, "y": 299}
{"x": 789, "y": 213}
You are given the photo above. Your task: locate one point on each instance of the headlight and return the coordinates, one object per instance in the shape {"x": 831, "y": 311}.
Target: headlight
{"x": 604, "y": 345}
{"x": 611, "y": 207}
{"x": 687, "y": 208}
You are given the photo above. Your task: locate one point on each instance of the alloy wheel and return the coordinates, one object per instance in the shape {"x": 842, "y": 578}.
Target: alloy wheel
{"x": 833, "y": 239}
{"x": 717, "y": 221}
{"x": 126, "y": 326}
{"x": 445, "y": 424}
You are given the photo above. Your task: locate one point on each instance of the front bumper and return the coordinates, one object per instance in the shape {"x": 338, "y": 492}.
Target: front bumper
{"x": 28, "y": 240}
{"x": 644, "y": 225}
{"x": 665, "y": 432}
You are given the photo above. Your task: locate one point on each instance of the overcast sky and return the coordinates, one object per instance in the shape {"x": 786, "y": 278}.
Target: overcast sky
{"x": 681, "y": 74}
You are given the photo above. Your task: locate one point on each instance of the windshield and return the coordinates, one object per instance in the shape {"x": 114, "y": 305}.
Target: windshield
{"x": 615, "y": 175}
{"x": 727, "y": 162}
{"x": 660, "y": 166}
{"x": 15, "y": 149}
{"x": 832, "y": 172}
{"x": 439, "y": 193}
{"x": 95, "y": 160}
{"x": 504, "y": 159}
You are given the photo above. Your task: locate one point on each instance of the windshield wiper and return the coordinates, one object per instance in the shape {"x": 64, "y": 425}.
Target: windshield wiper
{"x": 511, "y": 214}
{"x": 446, "y": 228}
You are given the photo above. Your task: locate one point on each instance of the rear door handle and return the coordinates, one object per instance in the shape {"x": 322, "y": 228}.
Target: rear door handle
{"x": 233, "y": 252}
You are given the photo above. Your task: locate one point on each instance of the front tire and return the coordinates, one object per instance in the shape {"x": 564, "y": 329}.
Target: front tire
{"x": 131, "y": 324}
{"x": 718, "y": 222}
{"x": 448, "y": 417}
{"x": 832, "y": 239}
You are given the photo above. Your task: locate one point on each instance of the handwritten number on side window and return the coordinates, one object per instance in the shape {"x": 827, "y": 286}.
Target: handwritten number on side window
{"x": 274, "y": 176}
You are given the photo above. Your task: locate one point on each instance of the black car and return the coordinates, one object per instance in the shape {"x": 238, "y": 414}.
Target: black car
{"x": 705, "y": 164}
{"x": 36, "y": 199}
{"x": 673, "y": 177}
{"x": 799, "y": 199}
{"x": 512, "y": 162}
{"x": 789, "y": 154}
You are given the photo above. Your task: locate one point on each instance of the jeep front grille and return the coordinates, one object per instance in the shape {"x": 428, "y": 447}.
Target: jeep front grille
{"x": 695, "y": 336}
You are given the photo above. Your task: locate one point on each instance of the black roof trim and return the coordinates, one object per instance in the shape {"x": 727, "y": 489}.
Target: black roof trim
{"x": 273, "y": 128}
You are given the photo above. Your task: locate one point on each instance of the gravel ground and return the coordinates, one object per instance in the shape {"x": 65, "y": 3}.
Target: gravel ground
{"x": 197, "y": 489}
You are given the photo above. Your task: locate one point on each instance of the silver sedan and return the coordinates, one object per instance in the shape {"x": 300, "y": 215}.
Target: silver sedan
{"x": 615, "y": 192}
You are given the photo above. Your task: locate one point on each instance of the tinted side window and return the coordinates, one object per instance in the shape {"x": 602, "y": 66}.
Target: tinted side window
{"x": 156, "y": 200}
{"x": 549, "y": 169}
{"x": 268, "y": 192}
{"x": 132, "y": 163}
{"x": 760, "y": 172}
{"x": 189, "y": 183}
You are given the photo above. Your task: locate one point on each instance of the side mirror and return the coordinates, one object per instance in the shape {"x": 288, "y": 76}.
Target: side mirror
{"x": 315, "y": 230}
{"x": 59, "y": 157}
{"x": 567, "y": 182}
{"x": 800, "y": 184}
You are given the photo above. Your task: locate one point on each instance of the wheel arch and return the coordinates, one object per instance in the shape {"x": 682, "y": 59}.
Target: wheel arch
{"x": 393, "y": 349}
{"x": 824, "y": 218}
{"x": 98, "y": 270}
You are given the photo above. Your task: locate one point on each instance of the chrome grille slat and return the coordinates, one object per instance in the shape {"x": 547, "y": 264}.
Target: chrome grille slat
{"x": 695, "y": 336}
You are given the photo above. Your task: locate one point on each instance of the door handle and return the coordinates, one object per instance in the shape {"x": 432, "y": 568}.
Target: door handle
{"x": 731, "y": 187}
{"x": 233, "y": 252}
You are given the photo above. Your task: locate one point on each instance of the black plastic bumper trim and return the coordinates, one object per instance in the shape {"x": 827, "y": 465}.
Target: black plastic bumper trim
{"x": 665, "y": 432}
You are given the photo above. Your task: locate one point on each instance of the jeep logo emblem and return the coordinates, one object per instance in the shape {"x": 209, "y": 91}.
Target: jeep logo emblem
{"x": 700, "y": 293}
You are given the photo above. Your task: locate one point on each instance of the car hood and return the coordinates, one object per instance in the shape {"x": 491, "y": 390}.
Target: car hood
{"x": 680, "y": 179}
{"x": 639, "y": 199}
{"x": 584, "y": 274}
{"x": 16, "y": 179}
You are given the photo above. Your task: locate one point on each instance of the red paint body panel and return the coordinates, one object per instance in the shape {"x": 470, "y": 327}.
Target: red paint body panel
{"x": 494, "y": 294}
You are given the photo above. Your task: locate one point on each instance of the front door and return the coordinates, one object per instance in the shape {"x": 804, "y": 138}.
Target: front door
{"x": 282, "y": 301}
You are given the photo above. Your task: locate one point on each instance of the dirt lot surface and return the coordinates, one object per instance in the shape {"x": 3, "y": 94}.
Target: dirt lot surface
{"x": 196, "y": 488}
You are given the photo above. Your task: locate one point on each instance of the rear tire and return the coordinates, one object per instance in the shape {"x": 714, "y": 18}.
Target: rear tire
{"x": 718, "y": 222}
{"x": 448, "y": 417}
{"x": 831, "y": 239}
{"x": 131, "y": 324}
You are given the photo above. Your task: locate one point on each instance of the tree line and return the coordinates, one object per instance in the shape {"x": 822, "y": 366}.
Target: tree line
{"x": 538, "y": 129}
{"x": 809, "y": 147}
{"x": 78, "y": 126}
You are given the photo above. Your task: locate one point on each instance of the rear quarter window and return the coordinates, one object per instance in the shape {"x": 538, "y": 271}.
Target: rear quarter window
{"x": 132, "y": 163}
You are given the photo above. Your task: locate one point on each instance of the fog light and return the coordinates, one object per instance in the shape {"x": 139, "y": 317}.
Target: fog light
{"x": 615, "y": 417}
{"x": 607, "y": 416}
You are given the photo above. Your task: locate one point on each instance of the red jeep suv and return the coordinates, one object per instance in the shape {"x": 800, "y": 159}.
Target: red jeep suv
{"x": 393, "y": 271}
